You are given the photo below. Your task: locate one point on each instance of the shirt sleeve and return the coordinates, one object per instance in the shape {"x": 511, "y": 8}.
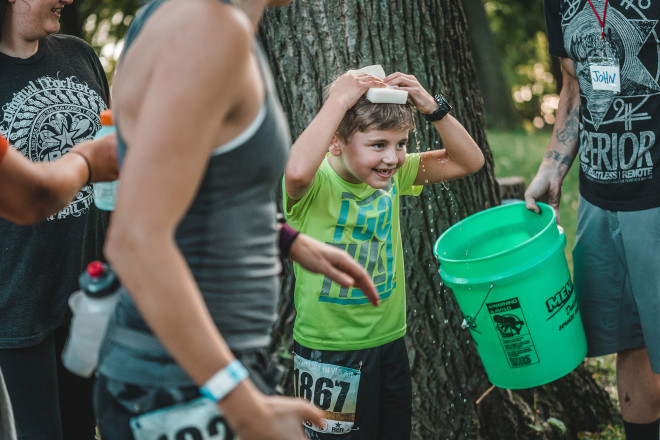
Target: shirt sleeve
{"x": 407, "y": 175}
{"x": 295, "y": 214}
{"x": 99, "y": 72}
{"x": 553, "y": 28}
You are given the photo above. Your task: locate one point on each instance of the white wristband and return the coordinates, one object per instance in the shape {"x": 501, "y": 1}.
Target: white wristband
{"x": 225, "y": 380}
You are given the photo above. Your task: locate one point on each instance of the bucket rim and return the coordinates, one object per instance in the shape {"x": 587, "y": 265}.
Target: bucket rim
{"x": 503, "y": 277}
{"x": 544, "y": 208}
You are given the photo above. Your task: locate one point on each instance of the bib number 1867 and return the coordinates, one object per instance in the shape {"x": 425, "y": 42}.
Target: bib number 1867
{"x": 330, "y": 387}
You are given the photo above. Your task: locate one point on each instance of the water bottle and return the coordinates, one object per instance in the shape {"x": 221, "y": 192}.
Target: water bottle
{"x": 105, "y": 193}
{"x": 92, "y": 306}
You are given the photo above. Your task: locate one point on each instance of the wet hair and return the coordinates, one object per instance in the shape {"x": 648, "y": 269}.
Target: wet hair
{"x": 4, "y": 5}
{"x": 365, "y": 115}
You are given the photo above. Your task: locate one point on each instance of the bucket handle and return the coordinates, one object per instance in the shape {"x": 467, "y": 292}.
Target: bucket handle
{"x": 469, "y": 322}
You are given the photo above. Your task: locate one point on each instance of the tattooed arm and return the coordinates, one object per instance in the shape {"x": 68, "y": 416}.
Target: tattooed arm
{"x": 563, "y": 146}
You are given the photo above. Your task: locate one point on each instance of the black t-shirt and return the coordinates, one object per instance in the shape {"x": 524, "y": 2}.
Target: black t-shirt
{"x": 618, "y": 156}
{"x": 48, "y": 103}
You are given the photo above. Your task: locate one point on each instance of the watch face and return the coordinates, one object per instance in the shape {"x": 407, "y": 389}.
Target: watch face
{"x": 444, "y": 105}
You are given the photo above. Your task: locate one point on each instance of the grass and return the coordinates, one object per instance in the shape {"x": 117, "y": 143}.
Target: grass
{"x": 519, "y": 153}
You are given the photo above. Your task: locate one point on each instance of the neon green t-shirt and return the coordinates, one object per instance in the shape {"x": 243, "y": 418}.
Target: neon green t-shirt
{"x": 364, "y": 221}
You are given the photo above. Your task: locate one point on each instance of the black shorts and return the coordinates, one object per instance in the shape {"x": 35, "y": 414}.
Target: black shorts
{"x": 384, "y": 399}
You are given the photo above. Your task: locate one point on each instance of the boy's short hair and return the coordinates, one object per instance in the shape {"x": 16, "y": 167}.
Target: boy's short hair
{"x": 365, "y": 115}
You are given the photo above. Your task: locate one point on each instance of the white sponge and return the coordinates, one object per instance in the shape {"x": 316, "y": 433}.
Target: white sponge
{"x": 382, "y": 95}
{"x": 387, "y": 95}
{"x": 375, "y": 70}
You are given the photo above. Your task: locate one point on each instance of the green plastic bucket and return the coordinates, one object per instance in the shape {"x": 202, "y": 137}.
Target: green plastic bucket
{"x": 507, "y": 269}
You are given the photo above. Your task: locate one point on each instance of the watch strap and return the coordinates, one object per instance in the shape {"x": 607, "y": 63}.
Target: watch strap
{"x": 441, "y": 112}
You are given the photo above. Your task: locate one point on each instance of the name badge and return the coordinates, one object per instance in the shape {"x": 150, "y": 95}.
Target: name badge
{"x": 605, "y": 74}
{"x": 198, "y": 419}
{"x": 332, "y": 388}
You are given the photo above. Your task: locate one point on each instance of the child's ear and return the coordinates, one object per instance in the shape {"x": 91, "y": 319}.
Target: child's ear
{"x": 335, "y": 146}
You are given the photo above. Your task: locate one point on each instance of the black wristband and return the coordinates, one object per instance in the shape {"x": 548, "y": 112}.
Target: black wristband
{"x": 441, "y": 112}
{"x": 287, "y": 237}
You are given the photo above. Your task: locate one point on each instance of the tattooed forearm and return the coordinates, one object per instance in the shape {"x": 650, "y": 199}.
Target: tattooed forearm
{"x": 568, "y": 133}
{"x": 567, "y": 136}
{"x": 558, "y": 157}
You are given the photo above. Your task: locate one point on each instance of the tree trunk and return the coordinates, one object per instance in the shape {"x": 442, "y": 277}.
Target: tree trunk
{"x": 498, "y": 104}
{"x": 308, "y": 45}
{"x": 71, "y": 23}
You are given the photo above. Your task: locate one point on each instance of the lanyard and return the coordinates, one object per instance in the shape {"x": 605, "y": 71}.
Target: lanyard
{"x": 602, "y": 22}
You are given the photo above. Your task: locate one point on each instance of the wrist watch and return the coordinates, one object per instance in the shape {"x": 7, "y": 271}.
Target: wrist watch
{"x": 442, "y": 110}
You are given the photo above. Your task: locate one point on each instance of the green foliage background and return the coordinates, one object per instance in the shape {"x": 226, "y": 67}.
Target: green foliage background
{"x": 103, "y": 23}
{"x": 518, "y": 28}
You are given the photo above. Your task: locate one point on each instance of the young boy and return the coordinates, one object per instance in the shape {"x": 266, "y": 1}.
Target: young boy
{"x": 350, "y": 357}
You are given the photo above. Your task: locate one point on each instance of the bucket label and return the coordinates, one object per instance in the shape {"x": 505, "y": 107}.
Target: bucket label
{"x": 563, "y": 305}
{"x": 513, "y": 331}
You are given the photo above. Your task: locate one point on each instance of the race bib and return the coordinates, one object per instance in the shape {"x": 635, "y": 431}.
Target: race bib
{"x": 199, "y": 419}
{"x": 332, "y": 388}
{"x": 605, "y": 73}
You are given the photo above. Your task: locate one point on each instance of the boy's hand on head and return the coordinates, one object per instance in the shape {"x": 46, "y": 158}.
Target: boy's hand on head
{"x": 422, "y": 99}
{"x": 349, "y": 87}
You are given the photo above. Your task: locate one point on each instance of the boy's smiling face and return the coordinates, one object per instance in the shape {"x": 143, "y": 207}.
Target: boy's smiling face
{"x": 371, "y": 156}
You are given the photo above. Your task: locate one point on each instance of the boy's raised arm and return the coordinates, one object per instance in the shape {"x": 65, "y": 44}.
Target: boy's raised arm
{"x": 461, "y": 155}
{"x": 309, "y": 150}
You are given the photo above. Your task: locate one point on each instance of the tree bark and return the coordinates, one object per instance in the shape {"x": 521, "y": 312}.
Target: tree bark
{"x": 311, "y": 43}
{"x": 512, "y": 187}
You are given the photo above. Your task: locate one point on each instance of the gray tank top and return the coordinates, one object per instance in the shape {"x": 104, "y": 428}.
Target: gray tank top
{"x": 228, "y": 238}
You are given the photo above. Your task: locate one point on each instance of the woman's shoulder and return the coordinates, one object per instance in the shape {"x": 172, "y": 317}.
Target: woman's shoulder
{"x": 67, "y": 41}
{"x": 204, "y": 18}
{"x": 192, "y": 29}
{"x": 69, "y": 45}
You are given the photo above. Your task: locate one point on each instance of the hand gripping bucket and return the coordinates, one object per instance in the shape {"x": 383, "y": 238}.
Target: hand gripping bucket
{"x": 507, "y": 269}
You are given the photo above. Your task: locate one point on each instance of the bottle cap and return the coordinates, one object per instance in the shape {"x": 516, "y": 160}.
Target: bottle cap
{"x": 95, "y": 269}
{"x": 106, "y": 117}
{"x": 98, "y": 280}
